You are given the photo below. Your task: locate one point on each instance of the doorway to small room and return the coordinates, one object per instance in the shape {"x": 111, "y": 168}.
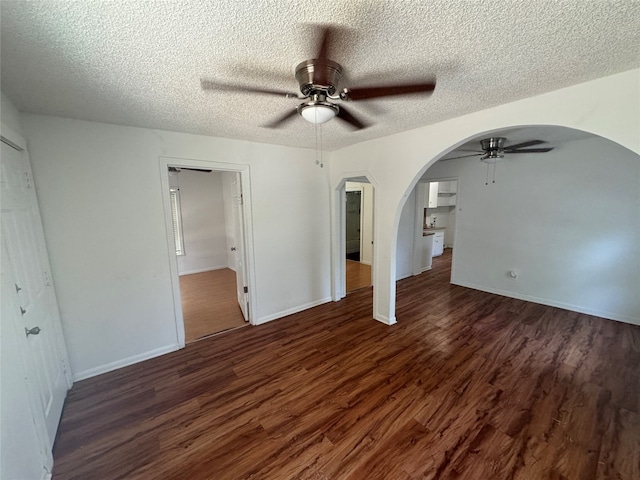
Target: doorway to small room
{"x": 207, "y": 230}
{"x": 358, "y": 235}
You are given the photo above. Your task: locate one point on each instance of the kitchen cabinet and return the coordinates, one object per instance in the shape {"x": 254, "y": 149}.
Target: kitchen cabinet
{"x": 441, "y": 194}
{"x": 448, "y": 187}
{"x": 438, "y": 243}
{"x": 447, "y": 193}
{"x": 432, "y": 195}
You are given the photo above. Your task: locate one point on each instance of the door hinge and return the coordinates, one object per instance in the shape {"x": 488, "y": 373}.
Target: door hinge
{"x": 28, "y": 179}
{"x": 240, "y": 200}
{"x": 47, "y": 279}
{"x": 246, "y": 289}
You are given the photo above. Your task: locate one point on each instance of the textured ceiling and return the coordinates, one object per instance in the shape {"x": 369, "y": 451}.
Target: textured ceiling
{"x": 139, "y": 63}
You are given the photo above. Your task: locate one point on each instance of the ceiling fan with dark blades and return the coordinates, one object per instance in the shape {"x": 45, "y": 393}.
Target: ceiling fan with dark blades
{"x": 319, "y": 81}
{"x": 494, "y": 149}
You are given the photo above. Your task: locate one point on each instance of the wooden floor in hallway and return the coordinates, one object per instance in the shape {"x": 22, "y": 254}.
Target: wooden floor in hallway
{"x": 209, "y": 303}
{"x": 358, "y": 275}
{"x": 467, "y": 385}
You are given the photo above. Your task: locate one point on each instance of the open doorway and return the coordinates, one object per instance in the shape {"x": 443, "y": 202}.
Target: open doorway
{"x": 439, "y": 218}
{"x": 358, "y": 235}
{"x": 207, "y": 228}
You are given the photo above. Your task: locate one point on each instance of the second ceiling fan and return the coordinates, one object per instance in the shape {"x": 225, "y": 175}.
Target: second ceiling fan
{"x": 319, "y": 81}
{"x": 494, "y": 149}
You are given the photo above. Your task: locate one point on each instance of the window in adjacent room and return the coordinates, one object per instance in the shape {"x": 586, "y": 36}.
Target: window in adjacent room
{"x": 176, "y": 217}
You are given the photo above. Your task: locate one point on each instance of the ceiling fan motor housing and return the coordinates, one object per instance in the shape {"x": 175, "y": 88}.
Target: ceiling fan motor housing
{"x": 494, "y": 149}
{"x": 318, "y": 76}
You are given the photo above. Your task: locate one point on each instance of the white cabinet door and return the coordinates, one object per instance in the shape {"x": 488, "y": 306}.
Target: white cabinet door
{"x": 432, "y": 198}
{"x": 438, "y": 244}
{"x": 32, "y": 293}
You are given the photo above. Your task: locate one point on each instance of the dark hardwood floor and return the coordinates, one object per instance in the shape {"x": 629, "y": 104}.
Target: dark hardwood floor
{"x": 466, "y": 385}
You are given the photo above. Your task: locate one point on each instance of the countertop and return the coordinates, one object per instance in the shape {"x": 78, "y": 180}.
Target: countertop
{"x": 431, "y": 231}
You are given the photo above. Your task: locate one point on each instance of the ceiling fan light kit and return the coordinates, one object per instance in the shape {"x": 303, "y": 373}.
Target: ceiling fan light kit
{"x": 318, "y": 111}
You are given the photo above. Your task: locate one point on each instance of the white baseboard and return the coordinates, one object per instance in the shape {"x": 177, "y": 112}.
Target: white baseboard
{"x": 291, "y": 311}
{"x": 384, "y": 319}
{"x": 552, "y": 303}
{"x": 125, "y": 362}
{"x": 202, "y": 270}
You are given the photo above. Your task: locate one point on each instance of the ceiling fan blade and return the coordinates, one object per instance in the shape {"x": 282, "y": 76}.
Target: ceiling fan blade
{"x": 346, "y": 116}
{"x": 325, "y": 34}
{"x": 524, "y": 144}
{"x": 530, "y": 150}
{"x": 364, "y": 93}
{"x": 214, "y": 85}
{"x": 463, "y": 156}
{"x": 278, "y": 122}
{"x": 179, "y": 169}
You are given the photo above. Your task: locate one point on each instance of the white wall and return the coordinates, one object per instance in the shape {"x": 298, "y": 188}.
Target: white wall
{"x": 110, "y": 254}
{"x": 406, "y": 235}
{"x": 609, "y": 107}
{"x": 10, "y": 116}
{"x": 203, "y": 222}
{"x": 567, "y": 221}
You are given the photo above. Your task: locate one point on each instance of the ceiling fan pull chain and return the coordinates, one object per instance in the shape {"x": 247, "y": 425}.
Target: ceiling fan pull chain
{"x": 486, "y": 178}
{"x": 316, "y": 133}
{"x": 321, "y": 162}
{"x": 494, "y": 173}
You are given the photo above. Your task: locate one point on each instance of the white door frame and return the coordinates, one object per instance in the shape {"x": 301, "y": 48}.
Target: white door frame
{"x": 244, "y": 171}
{"x": 339, "y": 233}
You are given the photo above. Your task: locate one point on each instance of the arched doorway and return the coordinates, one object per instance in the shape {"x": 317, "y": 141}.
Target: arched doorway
{"x": 560, "y": 228}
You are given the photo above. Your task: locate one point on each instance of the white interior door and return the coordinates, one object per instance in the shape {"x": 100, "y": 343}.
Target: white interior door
{"x": 25, "y": 452}
{"x": 241, "y": 267}
{"x": 30, "y": 289}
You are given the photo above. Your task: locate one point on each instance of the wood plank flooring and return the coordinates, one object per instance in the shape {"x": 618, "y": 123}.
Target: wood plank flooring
{"x": 209, "y": 303}
{"x": 466, "y": 385}
{"x": 358, "y": 275}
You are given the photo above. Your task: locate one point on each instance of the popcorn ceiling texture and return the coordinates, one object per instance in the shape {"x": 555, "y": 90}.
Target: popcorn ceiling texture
{"x": 139, "y": 63}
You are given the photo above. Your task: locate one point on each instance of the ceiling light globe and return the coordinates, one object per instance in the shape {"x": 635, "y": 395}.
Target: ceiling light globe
{"x": 318, "y": 113}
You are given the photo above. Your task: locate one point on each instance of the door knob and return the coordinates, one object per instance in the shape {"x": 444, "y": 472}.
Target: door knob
{"x": 32, "y": 331}
{"x": 233, "y": 249}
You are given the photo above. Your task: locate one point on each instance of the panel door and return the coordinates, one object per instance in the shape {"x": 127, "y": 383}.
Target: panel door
{"x": 36, "y": 308}
{"x": 241, "y": 267}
